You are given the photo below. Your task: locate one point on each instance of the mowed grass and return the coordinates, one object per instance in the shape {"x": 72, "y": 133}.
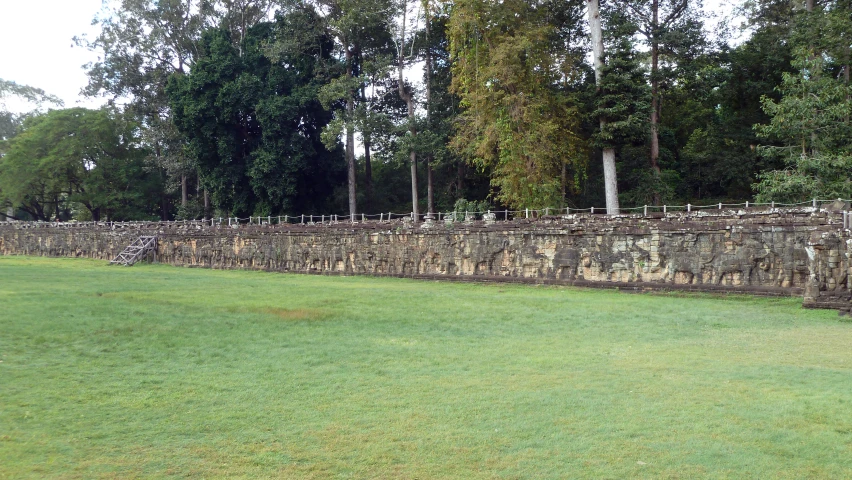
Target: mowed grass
{"x": 156, "y": 371}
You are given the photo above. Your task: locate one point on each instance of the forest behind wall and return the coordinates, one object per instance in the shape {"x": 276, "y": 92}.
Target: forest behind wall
{"x": 284, "y": 107}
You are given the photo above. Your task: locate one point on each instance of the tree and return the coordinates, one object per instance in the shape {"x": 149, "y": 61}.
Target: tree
{"x": 356, "y": 25}
{"x": 610, "y": 179}
{"x": 515, "y": 123}
{"x": 717, "y": 110}
{"x": 10, "y": 121}
{"x": 78, "y": 157}
{"x": 406, "y": 93}
{"x": 621, "y": 100}
{"x": 812, "y": 119}
{"x": 238, "y": 16}
{"x": 253, "y": 118}
{"x": 428, "y": 66}
{"x": 445, "y": 167}
{"x": 142, "y": 43}
{"x": 669, "y": 28}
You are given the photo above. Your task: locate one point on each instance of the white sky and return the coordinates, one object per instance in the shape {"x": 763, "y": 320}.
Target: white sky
{"x": 37, "y": 47}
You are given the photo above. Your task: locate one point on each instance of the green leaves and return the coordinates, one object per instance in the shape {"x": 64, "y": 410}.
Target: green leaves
{"x": 515, "y": 125}
{"x": 76, "y": 156}
{"x": 812, "y": 120}
{"x": 31, "y": 94}
{"x": 822, "y": 176}
{"x": 813, "y": 111}
{"x": 622, "y": 98}
{"x": 254, "y": 123}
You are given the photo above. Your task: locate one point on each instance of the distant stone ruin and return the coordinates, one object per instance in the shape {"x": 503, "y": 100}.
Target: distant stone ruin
{"x": 768, "y": 252}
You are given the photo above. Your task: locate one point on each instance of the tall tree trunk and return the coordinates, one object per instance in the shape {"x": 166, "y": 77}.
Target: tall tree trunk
{"x": 164, "y": 201}
{"x": 610, "y": 178}
{"x": 407, "y": 96}
{"x": 368, "y": 164}
{"x": 350, "y": 139}
{"x": 655, "y": 96}
{"x": 655, "y": 118}
{"x": 460, "y": 185}
{"x": 164, "y": 207}
{"x": 847, "y": 78}
{"x": 430, "y": 195}
{"x": 10, "y": 213}
{"x": 184, "y": 195}
{"x": 207, "y": 212}
{"x": 202, "y": 192}
{"x": 414, "y": 200}
{"x": 368, "y": 168}
{"x": 350, "y": 159}
{"x": 655, "y": 90}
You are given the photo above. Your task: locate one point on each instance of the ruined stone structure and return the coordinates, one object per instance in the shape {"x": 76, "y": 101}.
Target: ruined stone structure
{"x": 775, "y": 252}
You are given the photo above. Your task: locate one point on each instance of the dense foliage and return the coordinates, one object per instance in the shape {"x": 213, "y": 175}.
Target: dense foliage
{"x": 253, "y": 126}
{"x": 266, "y": 107}
{"x": 516, "y": 123}
{"x": 85, "y": 163}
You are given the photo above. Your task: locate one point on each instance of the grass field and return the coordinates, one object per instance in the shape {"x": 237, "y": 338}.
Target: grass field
{"x": 156, "y": 371}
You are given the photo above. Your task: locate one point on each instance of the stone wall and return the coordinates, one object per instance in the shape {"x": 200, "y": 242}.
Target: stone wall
{"x": 791, "y": 252}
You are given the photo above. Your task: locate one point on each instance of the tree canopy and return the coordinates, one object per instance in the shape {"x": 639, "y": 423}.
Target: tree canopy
{"x": 254, "y": 125}
{"x": 80, "y": 162}
{"x": 268, "y": 107}
{"x": 516, "y": 123}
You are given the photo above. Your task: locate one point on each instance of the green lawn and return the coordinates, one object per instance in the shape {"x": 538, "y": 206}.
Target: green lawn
{"x": 156, "y": 371}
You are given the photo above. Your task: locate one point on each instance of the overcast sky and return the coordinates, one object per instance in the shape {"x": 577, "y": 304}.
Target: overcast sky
{"x": 37, "y": 47}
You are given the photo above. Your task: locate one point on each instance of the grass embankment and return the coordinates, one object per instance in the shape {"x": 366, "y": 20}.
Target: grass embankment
{"x": 157, "y": 371}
